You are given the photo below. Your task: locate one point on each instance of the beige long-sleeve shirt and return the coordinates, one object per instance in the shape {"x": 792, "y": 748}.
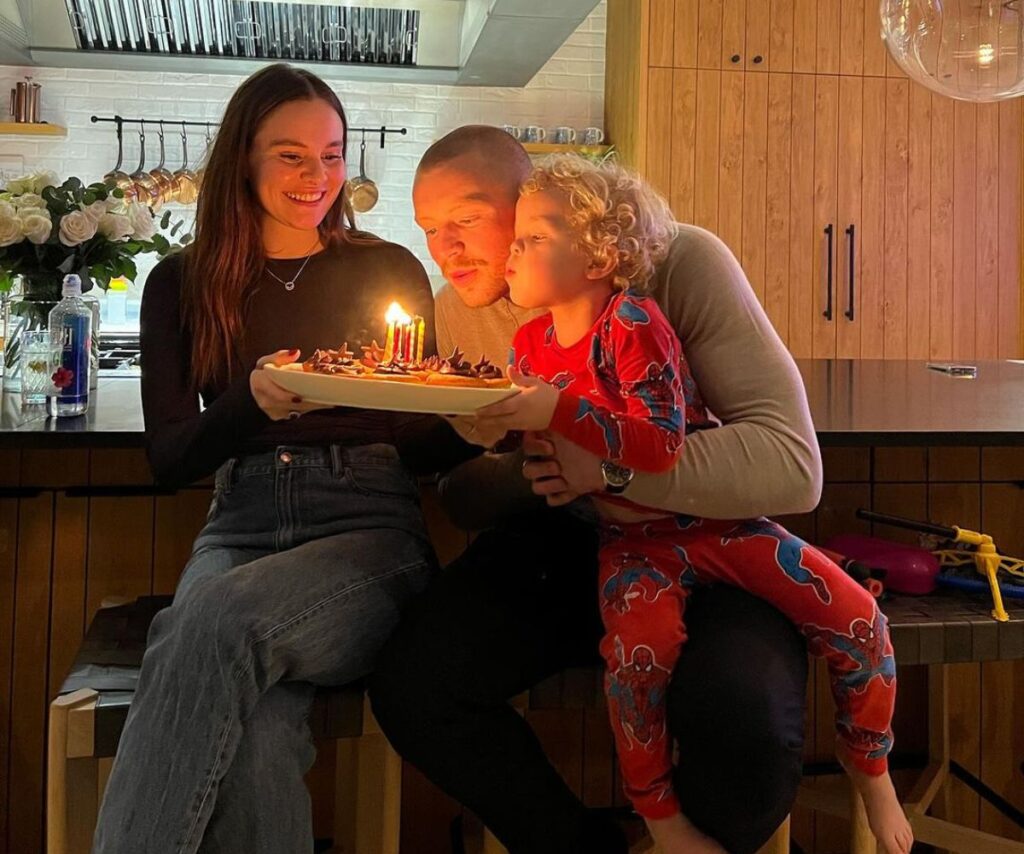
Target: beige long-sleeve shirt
{"x": 763, "y": 460}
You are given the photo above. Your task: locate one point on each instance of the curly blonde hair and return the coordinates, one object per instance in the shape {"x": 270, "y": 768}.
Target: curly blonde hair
{"x": 614, "y": 213}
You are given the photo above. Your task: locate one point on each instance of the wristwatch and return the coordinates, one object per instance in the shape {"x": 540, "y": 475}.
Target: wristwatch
{"x": 616, "y": 478}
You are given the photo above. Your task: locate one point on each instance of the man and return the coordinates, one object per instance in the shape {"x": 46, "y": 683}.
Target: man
{"x": 521, "y": 603}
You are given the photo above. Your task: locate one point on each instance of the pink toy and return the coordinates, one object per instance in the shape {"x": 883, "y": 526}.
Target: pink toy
{"x": 908, "y": 569}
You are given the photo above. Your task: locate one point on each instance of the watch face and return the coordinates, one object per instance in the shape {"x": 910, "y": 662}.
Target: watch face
{"x": 615, "y": 475}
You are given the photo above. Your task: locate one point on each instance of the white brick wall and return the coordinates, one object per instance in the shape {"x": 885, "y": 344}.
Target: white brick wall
{"x": 569, "y": 90}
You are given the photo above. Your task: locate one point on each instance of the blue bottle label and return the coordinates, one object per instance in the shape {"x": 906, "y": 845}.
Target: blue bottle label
{"x": 74, "y": 359}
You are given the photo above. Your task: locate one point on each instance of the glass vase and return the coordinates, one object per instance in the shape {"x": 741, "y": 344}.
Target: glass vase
{"x": 27, "y": 309}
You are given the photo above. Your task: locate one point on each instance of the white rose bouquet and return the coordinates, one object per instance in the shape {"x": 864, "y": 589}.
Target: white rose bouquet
{"x": 47, "y": 231}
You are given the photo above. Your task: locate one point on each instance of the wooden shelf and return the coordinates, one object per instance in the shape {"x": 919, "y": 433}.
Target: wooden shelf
{"x": 31, "y": 129}
{"x": 554, "y": 148}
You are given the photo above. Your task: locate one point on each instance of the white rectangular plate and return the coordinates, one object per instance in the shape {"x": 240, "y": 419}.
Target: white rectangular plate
{"x": 382, "y": 394}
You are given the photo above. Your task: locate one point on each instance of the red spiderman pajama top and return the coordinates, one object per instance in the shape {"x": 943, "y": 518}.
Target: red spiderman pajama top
{"x": 626, "y": 394}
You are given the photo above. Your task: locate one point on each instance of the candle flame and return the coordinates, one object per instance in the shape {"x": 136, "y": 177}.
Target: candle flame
{"x": 396, "y": 314}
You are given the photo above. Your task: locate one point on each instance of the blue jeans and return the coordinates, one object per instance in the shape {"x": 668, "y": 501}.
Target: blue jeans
{"x": 297, "y": 579}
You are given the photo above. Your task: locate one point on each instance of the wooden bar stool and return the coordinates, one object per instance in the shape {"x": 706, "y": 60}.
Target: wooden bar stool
{"x": 87, "y": 717}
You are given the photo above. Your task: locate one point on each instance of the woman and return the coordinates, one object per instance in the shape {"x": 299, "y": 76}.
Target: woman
{"x": 314, "y": 539}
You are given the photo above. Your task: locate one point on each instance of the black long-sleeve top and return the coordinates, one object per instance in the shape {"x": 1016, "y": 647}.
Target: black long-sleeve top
{"x": 340, "y": 296}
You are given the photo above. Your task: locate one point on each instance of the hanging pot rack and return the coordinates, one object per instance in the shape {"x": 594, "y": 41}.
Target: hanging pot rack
{"x": 121, "y": 121}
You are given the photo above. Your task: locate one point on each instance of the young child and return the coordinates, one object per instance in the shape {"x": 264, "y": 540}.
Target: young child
{"x": 604, "y": 369}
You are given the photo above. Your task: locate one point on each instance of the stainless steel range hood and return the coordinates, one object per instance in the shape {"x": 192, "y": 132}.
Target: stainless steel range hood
{"x": 463, "y": 42}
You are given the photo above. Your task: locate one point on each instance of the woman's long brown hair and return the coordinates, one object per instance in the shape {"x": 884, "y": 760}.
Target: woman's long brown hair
{"x": 227, "y": 256}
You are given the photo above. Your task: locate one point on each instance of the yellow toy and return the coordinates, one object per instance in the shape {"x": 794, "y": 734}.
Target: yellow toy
{"x": 981, "y": 553}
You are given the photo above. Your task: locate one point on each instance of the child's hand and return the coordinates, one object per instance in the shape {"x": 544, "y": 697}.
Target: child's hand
{"x": 470, "y": 429}
{"x": 531, "y": 409}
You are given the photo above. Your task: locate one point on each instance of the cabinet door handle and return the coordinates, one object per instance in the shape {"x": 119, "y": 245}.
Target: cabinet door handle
{"x": 853, "y": 270}
{"x": 828, "y": 293}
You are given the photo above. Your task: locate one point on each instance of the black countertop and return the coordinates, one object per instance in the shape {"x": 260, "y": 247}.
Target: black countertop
{"x": 852, "y": 403}
{"x": 875, "y": 402}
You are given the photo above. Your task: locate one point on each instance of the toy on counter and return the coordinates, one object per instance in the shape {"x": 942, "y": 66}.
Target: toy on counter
{"x": 869, "y": 577}
{"x": 908, "y": 569}
{"x": 960, "y": 554}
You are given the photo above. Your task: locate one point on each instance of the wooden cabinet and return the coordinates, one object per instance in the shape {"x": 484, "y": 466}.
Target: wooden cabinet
{"x": 837, "y": 181}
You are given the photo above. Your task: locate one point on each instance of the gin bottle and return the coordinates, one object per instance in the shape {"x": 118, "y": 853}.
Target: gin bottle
{"x": 70, "y": 341}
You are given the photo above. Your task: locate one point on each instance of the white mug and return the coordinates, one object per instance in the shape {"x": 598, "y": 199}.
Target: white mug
{"x": 592, "y": 136}
{"x": 532, "y": 133}
{"x": 564, "y": 136}
{"x": 513, "y": 130}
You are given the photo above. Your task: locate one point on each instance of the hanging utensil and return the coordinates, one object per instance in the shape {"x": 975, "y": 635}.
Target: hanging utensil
{"x": 163, "y": 176}
{"x": 116, "y": 178}
{"x": 201, "y": 171}
{"x": 362, "y": 192}
{"x": 147, "y": 190}
{"x": 185, "y": 185}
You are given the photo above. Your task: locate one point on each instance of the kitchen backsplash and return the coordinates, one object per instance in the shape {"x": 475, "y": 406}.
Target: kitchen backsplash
{"x": 568, "y": 90}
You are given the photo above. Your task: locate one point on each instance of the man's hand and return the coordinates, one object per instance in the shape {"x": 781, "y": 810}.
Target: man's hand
{"x": 474, "y": 432}
{"x": 559, "y": 469}
{"x": 531, "y": 409}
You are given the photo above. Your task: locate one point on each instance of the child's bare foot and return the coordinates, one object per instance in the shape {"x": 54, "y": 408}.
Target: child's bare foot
{"x": 676, "y": 835}
{"x": 885, "y": 814}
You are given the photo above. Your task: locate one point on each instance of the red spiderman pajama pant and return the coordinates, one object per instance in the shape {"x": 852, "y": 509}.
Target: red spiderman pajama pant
{"x": 646, "y": 573}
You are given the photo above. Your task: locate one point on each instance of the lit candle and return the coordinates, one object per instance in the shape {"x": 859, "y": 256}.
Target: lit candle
{"x": 394, "y": 317}
{"x": 420, "y": 328}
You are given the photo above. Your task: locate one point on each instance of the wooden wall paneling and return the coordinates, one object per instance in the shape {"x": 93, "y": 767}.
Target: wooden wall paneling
{"x": 777, "y": 202}
{"x": 805, "y": 36}
{"x": 709, "y": 34}
{"x": 954, "y": 464}
{"x": 896, "y": 151}
{"x": 8, "y": 562}
{"x": 684, "y": 143}
{"x": 802, "y": 239}
{"x": 687, "y": 14}
{"x": 909, "y": 500}
{"x": 955, "y": 504}
{"x": 1002, "y": 742}
{"x": 758, "y": 38}
{"x": 841, "y": 465}
{"x": 731, "y": 144}
{"x": 706, "y": 158}
{"x": 54, "y": 468}
{"x": 850, "y": 185}
{"x": 659, "y": 130}
{"x": 828, "y": 46}
{"x": 826, "y": 176}
{"x": 734, "y": 37}
{"x": 986, "y": 318}
{"x": 120, "y": 561}
{"x": 919, "y": 222}
{"x": 662, "y": 33}
{"x": 625, "y": 91}
{"x": 29, "y": 676}
{"x": 755, "y": 179}
{"x": 780, "y": 51}
{"x": 67, "y": 603}
{"x": 1004, "y": 464}
{"x": 964, "y": 741}
{"x": 965, "y": 241}
{"x": 1002, "y": 683}
{"x": 900, "y": 465}
{"x": 941, "y": 255}
{"x": 851, "y": 44}
{"x": 176, "y": 523}
{"x": 837, "y": 512}
{"x": 119, "y": 467}
{"x": 875, "y": 52}
{"x": 1011, "y": 199}
{"x": 871, "y": 236}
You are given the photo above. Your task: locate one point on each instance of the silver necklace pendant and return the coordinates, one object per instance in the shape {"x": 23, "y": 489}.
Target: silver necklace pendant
{"x": 289, "y": 286}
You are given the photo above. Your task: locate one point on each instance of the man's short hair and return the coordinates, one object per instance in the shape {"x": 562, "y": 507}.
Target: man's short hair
{"x": 505, "y": 157}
